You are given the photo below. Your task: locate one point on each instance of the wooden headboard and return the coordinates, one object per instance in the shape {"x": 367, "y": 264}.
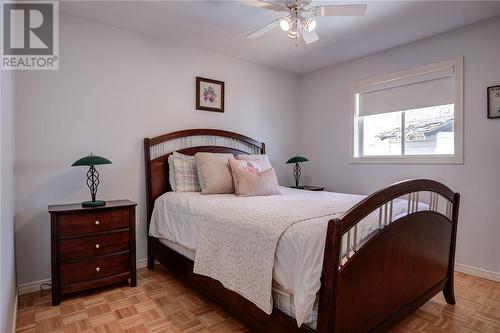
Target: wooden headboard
{"x": 157, "y": 150}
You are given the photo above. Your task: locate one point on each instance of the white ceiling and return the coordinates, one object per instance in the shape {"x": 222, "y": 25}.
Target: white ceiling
{"x": 221, "y": 26}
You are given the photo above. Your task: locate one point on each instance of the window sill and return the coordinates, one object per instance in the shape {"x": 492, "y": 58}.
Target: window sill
{"x": 421, "y": 159}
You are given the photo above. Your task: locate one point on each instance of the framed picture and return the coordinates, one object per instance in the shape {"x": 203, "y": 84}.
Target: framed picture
{"x": 209, "y": 95}
{"x": 494, "y": 102}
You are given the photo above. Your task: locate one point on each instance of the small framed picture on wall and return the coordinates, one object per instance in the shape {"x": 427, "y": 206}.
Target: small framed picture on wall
{"x": 494, "y": 102}
{"x": 209, "y": 95}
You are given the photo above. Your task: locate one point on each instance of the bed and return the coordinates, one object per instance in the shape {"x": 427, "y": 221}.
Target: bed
{"x": 376, "y": 257}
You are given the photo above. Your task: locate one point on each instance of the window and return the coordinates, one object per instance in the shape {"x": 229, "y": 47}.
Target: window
{"x": 414, "y": 116}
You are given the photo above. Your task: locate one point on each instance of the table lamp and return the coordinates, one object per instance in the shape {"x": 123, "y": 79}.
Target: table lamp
{"x": 296, "y": 168}
{"x": 92, "y": 177}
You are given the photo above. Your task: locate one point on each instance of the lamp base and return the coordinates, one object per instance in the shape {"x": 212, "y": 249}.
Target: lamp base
{"x": 96, "y": 203}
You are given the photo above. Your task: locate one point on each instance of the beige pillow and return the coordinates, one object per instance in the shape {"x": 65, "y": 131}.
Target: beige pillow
{"x": 262, "y": 160}
{"x": 214, "y": 173}
{"x": 250, "y": 181}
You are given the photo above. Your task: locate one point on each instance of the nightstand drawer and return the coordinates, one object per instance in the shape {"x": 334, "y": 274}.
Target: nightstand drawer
{"x": 85, "y": 247}
{"x": 83, "y": 223}
{"x": 85, "y": 270}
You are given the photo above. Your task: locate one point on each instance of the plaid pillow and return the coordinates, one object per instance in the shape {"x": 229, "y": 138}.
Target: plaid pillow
{"x": 186, "y": 176}
{"x": 171, "y": 172}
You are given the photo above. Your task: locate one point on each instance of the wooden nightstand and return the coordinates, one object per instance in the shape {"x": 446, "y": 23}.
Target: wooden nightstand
{"x": 92, "y": 247}
{"x": 309, "y": 188}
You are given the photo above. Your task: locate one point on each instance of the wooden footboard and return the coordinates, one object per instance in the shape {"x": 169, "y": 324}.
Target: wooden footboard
{"x": 407, "y": 261}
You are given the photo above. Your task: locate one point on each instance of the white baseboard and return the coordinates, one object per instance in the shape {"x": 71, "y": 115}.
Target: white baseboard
{"x": 142, "y": 263}
{"x": 14, "y": 316}
{"x": 30, "y": 287}
{"x": 483, "y": 273}
{"x": 26, "y": 288}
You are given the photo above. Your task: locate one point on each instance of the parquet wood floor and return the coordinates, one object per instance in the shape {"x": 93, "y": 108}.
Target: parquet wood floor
{"x": 162, "y": 303}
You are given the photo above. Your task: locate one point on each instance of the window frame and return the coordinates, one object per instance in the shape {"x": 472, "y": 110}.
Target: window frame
{"x": 456, "y": 158}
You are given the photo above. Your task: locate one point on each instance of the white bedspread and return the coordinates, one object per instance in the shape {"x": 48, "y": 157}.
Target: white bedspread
{"x": 299, "y": 254}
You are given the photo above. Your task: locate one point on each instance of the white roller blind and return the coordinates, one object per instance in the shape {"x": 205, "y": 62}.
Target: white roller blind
{"x": 408, "y": 93}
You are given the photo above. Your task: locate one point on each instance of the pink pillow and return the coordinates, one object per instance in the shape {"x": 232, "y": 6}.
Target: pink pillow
{"x": 261, "y": 160}
{"x": 250, "y": 181}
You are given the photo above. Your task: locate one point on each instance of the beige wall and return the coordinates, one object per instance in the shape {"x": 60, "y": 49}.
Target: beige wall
{"x": 114, "y": 88}
{"x": 324, "y": 134}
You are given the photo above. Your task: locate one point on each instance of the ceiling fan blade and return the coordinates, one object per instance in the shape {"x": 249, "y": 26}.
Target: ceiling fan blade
{"x": 265, "y": 4}
{"x": 263, "y": 30}
{"x": 341, "y": 10}
{"x": 310, "y": 37}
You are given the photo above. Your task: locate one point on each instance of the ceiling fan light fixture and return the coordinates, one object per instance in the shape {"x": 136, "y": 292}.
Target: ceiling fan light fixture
{"x": 310, "y": 24}
{"x": 285, "y": 24}
{"x": 292, "y": 34}
{"x": 299, "y": 22}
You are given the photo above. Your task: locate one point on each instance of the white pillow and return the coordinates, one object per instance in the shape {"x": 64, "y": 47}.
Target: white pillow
{"x": 261, "y": 160}
{"x": 186, "y": 176}
{"x": 214, "y": 173}
{"x": 171, "y": 172}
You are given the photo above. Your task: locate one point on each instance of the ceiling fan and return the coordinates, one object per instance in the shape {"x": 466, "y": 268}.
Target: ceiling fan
{"x": 300, "y": 23}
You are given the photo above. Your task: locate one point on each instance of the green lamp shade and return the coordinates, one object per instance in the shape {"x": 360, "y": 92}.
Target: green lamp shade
{"x": 91, "y": 160}
{"x": 297, "y": 159}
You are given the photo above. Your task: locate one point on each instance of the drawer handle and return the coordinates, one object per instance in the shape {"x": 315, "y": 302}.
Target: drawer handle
{"x": 97, "y": 269}
{"x": 97, "y": 246}
{"x": 97, "y": 222}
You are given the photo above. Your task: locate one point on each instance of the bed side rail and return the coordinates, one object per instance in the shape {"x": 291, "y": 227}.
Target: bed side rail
{"x": 409, "y": 203}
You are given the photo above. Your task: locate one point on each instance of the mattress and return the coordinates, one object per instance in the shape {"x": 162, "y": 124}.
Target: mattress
{"x": 299, "y": 254}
